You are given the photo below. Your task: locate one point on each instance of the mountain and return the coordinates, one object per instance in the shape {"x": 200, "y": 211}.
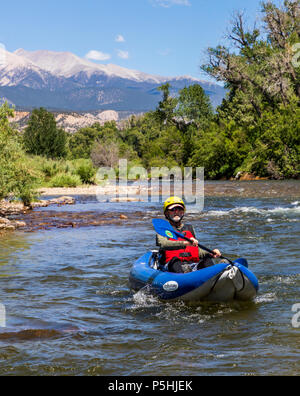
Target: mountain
{"x": 64, "y": 81}
{"x": 18, "y": 71}
{"x": 69, "y": 65}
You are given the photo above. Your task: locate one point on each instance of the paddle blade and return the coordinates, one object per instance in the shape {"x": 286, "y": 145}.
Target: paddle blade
{"x": 164, "y": 228}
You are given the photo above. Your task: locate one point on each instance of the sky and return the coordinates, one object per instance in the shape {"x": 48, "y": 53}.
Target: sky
{"x": 162, "y": 37}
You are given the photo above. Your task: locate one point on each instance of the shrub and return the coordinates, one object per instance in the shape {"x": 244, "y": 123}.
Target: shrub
{"x": 65, "y": 180}
{"x": 17, "y": 179}
{"x": 49, "y": 168}
{"x": 85, "y": 170}
{"x": 105, "y": 154}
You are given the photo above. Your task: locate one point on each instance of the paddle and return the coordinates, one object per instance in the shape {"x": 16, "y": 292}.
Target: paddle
{"x": 164, "y": 228}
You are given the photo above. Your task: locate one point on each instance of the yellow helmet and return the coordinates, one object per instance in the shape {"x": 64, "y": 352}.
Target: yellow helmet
{"x": 173, "y": 201}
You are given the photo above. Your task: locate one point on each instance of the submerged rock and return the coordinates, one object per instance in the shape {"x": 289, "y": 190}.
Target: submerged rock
{"x": 10, "y": 225}
{"x": 39, "y": 204}
{"x": 7, "y": 227}
{"x": 4, "y": 221}
{"x": 11, "y": 209}
{"x": 65, "y": 200}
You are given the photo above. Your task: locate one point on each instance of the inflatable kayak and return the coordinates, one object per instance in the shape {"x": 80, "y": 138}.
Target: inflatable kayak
{"x": 220, "y": 282}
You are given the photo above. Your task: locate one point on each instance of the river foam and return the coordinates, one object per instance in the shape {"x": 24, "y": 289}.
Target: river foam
{"x": 249, "y": 210}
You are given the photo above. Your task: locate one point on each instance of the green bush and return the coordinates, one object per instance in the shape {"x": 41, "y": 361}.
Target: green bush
{"x": 65, "y": 180}
{"x": 49, "y": 168}
{"x": 17, "y": 178}
{"x": 85, "y": 170}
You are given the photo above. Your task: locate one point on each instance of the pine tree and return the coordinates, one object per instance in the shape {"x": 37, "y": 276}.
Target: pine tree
{"x": 42, "y": 137}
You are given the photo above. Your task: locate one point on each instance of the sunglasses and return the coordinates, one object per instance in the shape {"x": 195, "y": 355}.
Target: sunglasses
{"x": 178, "y": 208}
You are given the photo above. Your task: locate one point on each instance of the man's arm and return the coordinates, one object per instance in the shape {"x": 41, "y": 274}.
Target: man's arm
{"x": 166, "y": 244}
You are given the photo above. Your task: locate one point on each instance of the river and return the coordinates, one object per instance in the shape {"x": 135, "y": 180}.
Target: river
{"x": 69, "y": 311}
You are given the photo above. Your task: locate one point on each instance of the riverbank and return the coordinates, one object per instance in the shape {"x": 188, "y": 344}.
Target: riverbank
{"x": 14, "y": 215}
{"x": 228, "y": 188}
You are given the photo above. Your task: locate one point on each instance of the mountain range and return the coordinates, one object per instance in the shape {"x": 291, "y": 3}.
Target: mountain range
{"x": 62, "y": 81}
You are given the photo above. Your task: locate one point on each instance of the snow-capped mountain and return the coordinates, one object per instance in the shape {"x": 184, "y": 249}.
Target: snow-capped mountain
{"x": 69, "y": 65}
{"x": 16, "y": 70}
{"x": 64, "y": 81}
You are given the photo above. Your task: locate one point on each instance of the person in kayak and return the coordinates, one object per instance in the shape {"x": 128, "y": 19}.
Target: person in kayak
{"x": 177, "y": 255}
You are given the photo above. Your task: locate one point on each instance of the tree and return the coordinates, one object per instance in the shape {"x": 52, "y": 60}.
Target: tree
{"x": 109, "y": 131}
{"x": 82, "y": 141}
{"x": 262, "y": 72}
{"x": 135, "y": 138}
{"x": 105, "y": 154}
{"x": 42, "y": 137}
{"x": 166, "y": 107}
{"x": 171, "y": 143}
{"x": 16, "y": 178}
{"x": 194, "y": 106}
{"x": 257, "y": 127}
{"x": 276, "y": 151}
{"x": 283, "y": 27}
{"x": 220, "y": 150}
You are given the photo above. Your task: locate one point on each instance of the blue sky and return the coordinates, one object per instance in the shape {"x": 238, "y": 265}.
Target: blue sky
{"x": 164, "y": 37}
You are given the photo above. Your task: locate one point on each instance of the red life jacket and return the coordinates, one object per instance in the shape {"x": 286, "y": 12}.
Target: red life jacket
{"x": 189, "y": 254}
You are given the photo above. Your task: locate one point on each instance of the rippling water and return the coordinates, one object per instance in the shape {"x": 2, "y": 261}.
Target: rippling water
{"x": 69, "y": 310}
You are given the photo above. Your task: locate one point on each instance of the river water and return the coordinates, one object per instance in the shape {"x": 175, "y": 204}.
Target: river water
{"x": 69, "y": 311}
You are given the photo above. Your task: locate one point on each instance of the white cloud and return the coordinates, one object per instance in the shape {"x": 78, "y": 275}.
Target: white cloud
{"x": 120, "y": 39}
{"x": 170, "y": 3}
{"x": 123, "y": 54}
{"x": 97, "y": 55}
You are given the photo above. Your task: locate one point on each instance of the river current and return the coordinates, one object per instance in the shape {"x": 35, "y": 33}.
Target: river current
{"x": 66, "y": 308}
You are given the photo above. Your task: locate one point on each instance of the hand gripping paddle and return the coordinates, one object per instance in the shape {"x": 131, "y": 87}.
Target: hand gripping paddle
{"x": 164, "y": 228}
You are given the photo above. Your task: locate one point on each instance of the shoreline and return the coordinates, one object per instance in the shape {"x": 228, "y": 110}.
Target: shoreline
{"x": 228, "y": 188}
{"x": 13, "y": 214}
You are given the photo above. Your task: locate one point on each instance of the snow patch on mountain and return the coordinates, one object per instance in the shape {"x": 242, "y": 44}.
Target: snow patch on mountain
{"x": 14, "y": 69}
{"x": 67, "y": 65}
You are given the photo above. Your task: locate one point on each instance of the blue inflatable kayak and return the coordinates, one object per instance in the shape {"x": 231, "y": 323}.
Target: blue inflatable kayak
{"x": 220, "y": 282}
